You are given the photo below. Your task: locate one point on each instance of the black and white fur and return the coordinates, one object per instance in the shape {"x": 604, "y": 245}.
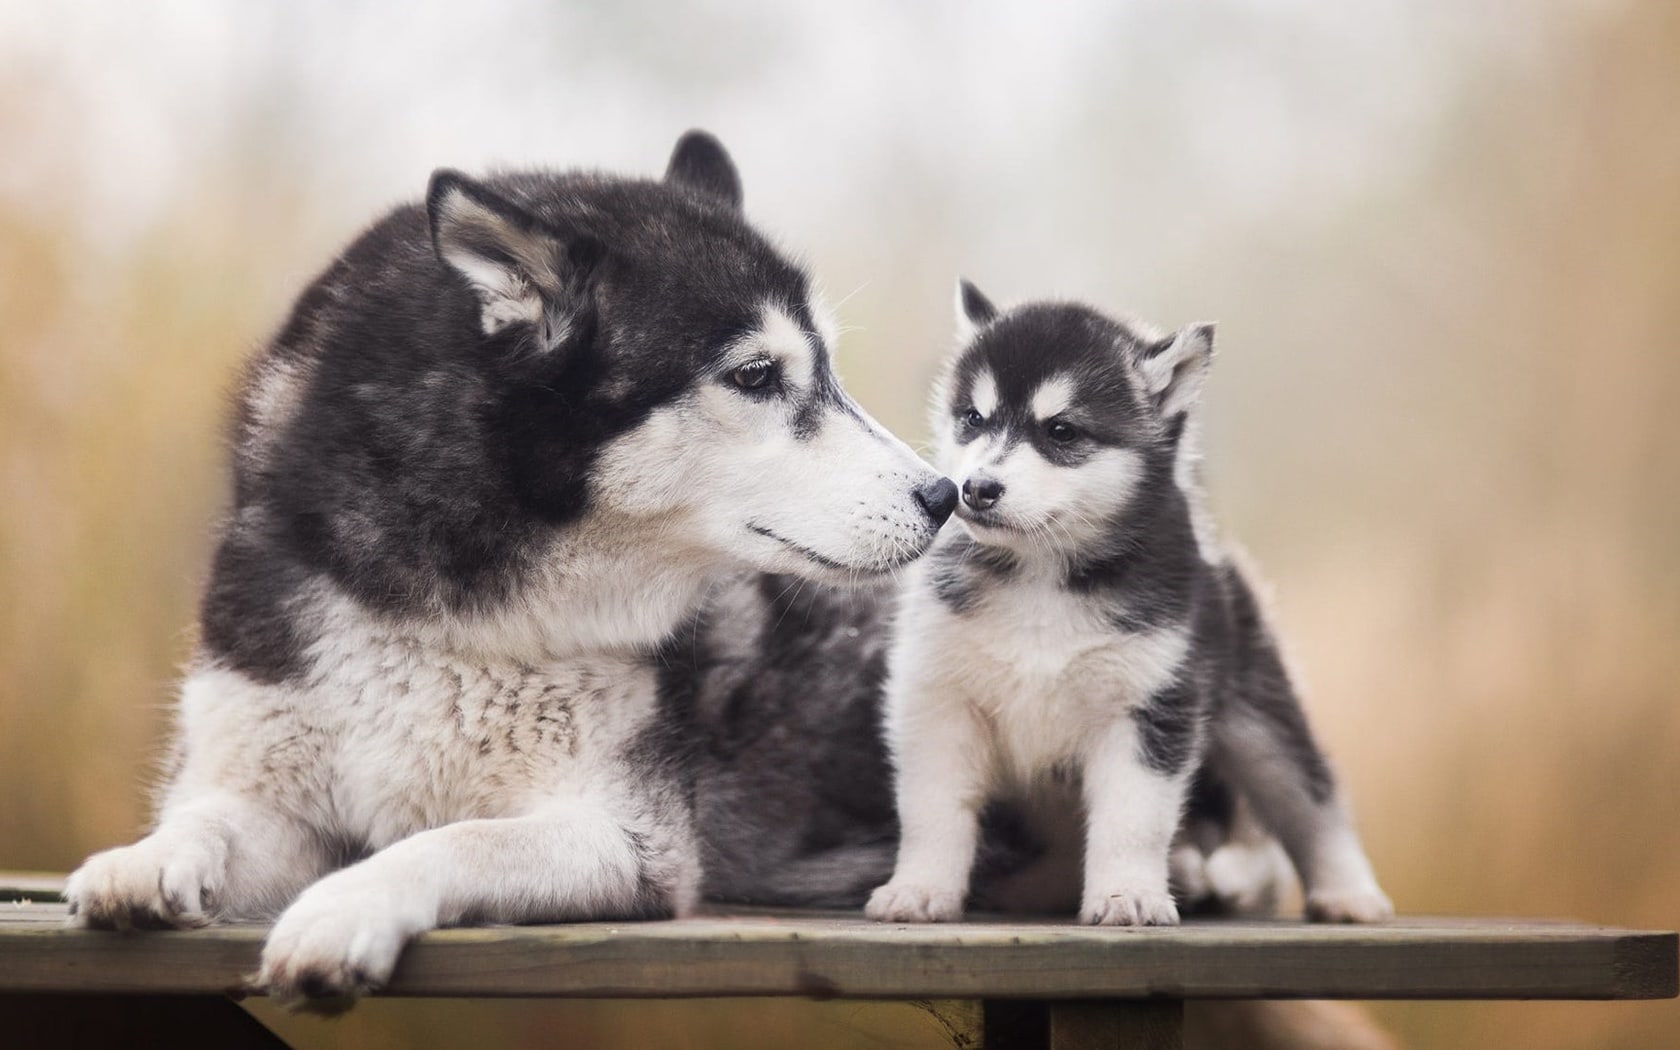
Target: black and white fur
{"x": 484, "y": 472}
{"x": 1082, "y": 640}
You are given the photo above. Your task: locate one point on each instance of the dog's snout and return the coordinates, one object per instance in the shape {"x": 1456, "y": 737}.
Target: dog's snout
{"x": 938, "y": 498}
{"x": 981, "y": 492}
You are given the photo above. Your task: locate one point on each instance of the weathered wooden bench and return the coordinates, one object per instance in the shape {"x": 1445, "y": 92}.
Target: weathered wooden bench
{"x": 1009, "y": 983}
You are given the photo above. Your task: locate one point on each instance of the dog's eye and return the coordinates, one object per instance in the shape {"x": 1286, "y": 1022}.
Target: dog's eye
{"x": 754, "y": 375}
{"x": 973, "y": 417}
{"x": 1061, "y": 431}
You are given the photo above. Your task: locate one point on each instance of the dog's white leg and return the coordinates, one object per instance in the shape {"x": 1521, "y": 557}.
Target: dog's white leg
{"x": 214, "y": 855}
{"x": 570, "y": 861}
{"x": 943, "y": 760}
{"x": 225, "y": 845}
{"x": 1132, "y": 815}
{"x": 1308, "y": 816}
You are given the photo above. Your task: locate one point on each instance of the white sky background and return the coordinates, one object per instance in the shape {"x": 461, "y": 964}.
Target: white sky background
{"x": 1154, "y": 157}
{"x": 1172, "y": 118}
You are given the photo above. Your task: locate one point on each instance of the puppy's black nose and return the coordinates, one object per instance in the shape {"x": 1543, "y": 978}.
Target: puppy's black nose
{"x": 981, "y": 492}
{"x": 938, "y": 497}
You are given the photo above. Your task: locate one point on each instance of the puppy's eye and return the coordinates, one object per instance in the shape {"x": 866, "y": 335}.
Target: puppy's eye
{"x": 973, "y": 418}
{"x": 754, "y": 375}
{"x": 1060, "y": 431}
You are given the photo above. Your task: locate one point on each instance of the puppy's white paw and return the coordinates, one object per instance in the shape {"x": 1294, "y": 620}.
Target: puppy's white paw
{"x": 910, "y": 902}
{"x": 1187, "y": 874}
{"x": 1129, "y": 908}
{"x": 338, "y": 941}
{"x": 1248, "y": 879}
{"x": 1357, "y": 904}
{"x": 147, "y": 886}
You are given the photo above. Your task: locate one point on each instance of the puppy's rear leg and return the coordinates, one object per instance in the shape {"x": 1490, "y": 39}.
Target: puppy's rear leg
{"x": 215, "y": 855}
{"x": 571, "y": 861}
{"x": 1261, "y": 741}
{"x": 1269, "y": 754}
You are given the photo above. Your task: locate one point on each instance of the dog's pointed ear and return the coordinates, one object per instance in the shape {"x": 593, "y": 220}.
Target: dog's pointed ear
{"x": 974, "y": 311}
{"x": 522, "y": 270}
{"x": 700, "y": 163}
{"x": 1175, "y": 368}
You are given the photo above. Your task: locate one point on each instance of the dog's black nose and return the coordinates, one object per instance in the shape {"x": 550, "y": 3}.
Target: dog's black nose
{"x": 938, "y": 497}
{"x": 981, "y": 492}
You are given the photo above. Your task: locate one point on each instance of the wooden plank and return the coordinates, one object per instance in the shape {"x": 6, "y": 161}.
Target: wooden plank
{"x": 843, "y": 955}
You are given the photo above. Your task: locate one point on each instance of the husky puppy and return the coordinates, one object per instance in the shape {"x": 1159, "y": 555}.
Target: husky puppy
{"x": 1082, "y": 641}
{"x": 490, "y": 463}
{"x": 781, "y": 682}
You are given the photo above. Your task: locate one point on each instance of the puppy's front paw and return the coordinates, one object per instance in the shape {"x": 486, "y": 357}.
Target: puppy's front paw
{"x": 911, "y": 902}
{"x": 146, "y": 886}
{"x": 338, "y": 941}
{"x": 1129, "y": 908}
{"x": 1360, "y": 904}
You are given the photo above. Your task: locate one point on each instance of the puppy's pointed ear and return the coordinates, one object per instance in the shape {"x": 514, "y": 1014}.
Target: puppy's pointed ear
{"x": 974, "y": 311}
{"x": 1174, "y": 368}
{"x": 701, "y": 163}
{"x": 522, "y": 270}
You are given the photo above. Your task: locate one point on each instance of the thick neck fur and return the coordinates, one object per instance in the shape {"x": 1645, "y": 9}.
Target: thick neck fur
{"x": 601, "y": 587}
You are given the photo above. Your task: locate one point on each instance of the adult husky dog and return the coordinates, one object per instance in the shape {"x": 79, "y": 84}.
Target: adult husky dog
{"x": 490, "y": 463}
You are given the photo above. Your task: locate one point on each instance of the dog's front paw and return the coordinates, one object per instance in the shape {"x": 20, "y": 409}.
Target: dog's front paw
{"x": 146, "y": 886}
{"x": 1129, "y": 908}
{"x": 1360, "y": 904}
{"x": 338, "y": 941}
{"x": 911, "y": 902}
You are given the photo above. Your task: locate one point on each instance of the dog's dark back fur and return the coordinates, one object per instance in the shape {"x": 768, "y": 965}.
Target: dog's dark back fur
{"x": 780, "y": 680}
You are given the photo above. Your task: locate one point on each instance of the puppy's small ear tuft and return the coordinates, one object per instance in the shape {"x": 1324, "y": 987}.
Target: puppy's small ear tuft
{"x": 974, "y": 311}
{"x": 521, "y": 270}
{"x": 700, "y": 163}
{"x": 1174, "y": 369}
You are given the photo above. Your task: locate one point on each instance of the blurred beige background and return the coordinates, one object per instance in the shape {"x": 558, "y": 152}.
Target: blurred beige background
{"x": 1442, "y": 241}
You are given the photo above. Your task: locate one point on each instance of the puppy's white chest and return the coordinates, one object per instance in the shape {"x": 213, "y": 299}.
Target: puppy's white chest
{"x": 1034, "y": 644}
{"x": 1041, "y": 666}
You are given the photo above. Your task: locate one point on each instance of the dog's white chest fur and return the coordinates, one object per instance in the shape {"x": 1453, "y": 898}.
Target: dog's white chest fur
{"x": 391, "y": 736}
{"x": 1041, "y": 667}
